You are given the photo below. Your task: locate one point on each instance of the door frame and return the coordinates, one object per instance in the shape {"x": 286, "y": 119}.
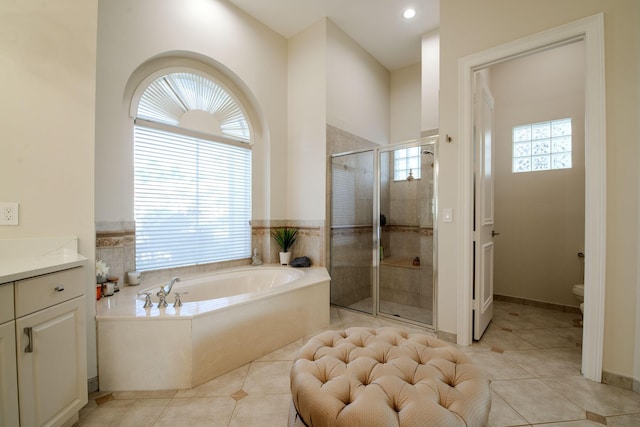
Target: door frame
{"x": 591, "y": 30}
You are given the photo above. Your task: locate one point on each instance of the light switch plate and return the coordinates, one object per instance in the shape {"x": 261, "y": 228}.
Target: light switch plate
{"x": 447, "y": 215}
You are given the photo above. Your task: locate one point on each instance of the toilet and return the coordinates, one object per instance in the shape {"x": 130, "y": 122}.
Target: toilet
{"x": 578, "y": 292}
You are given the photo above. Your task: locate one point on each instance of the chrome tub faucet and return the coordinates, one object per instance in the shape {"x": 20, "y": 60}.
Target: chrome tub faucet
{"x": 167, "y": 288}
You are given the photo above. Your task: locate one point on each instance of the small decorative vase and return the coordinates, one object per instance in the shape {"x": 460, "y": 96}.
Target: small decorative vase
{"x": 101, "y": 279}
{"x": 285, "y": 257}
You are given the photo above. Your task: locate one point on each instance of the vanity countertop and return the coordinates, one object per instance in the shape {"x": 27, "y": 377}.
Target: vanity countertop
{"x": 23, "y": 258}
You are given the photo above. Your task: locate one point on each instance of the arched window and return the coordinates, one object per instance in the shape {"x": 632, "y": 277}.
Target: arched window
{"x": 192, "y": 174}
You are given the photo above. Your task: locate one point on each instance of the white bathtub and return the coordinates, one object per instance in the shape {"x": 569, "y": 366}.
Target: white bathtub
{"x": 229, "y": 286}
{"x": 228, "y": 318}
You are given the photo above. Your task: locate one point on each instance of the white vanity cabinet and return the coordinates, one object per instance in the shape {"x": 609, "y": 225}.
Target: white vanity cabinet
{"x": 8, "y": 375}
{"x": 51, "y": 348}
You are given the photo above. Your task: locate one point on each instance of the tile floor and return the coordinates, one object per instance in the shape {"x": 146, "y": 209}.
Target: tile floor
{"x": 531, "y": 355}
{"x": 416, "y": 314}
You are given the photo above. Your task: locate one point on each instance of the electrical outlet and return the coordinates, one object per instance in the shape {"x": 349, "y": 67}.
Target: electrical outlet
{"x": 9, "y": 213}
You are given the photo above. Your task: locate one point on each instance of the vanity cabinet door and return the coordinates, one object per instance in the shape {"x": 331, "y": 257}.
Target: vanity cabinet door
{"x": 52, "y": 364}
{"x": 8, "y": 376}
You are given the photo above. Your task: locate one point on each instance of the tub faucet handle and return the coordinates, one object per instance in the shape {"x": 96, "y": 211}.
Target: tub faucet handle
{"x": 162, "y": 298}
{"x": 178, "y": 301}
{"x": 147, "y": 299}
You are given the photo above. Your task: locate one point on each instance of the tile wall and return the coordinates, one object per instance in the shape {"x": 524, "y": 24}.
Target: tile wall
{"x": 115, "y": 245}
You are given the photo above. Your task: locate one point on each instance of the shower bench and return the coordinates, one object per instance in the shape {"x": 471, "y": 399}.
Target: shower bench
{"x": 386, "y": 377}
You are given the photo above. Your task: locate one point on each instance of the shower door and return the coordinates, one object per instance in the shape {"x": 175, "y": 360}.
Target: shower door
{"x": 406, "y": 203}
{"x": 382, "y": 231}
{"x": 352, "y": 230}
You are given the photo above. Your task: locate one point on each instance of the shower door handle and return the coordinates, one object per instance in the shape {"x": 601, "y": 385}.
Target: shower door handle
{"x": 494, "y": 234}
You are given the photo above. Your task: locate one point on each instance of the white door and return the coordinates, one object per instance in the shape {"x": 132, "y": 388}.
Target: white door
{"x": 484, "y": 208}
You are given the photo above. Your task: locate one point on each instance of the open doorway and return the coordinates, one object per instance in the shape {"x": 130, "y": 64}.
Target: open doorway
{"x": 591, "y": 31}
{"x": 536, "y": 181}
{"x": 539, "y": 177}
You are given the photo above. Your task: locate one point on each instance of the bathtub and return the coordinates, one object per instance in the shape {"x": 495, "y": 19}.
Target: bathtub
{"x": 228, "y": 318}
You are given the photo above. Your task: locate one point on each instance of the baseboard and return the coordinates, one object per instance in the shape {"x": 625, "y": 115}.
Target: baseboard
{"x": 92, "y": 385}
{"x": 618, "y": 380}
{"x": 447, "y": 336}
{"x": 539, "y": 304}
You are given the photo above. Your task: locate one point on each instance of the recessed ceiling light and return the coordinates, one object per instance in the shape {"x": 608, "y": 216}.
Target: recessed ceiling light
{"x": 409, "y": 13}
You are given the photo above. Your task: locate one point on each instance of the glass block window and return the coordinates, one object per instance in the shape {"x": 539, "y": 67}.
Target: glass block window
{"x": 406, "y": 161}
{"x": 542, "y": 146}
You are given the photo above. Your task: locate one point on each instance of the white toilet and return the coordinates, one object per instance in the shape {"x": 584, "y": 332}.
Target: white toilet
{"x": 578, "y": 292}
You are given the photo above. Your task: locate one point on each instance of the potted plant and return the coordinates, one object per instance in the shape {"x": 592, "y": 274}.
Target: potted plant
{"x": 101, "y": 271}
{"x": 285, "y": 237}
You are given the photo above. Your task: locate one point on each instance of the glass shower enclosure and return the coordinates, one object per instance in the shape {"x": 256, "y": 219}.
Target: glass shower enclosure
{"x": 382, "y": 257}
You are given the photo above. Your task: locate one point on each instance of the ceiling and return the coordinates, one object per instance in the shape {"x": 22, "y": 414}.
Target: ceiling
{"x": 376, "y": 25}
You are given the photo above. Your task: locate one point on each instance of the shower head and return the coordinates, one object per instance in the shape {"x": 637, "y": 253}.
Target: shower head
{"x": 427, "y": 152}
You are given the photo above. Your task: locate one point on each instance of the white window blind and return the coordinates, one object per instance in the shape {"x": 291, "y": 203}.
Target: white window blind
{"x": 192, "y": 200}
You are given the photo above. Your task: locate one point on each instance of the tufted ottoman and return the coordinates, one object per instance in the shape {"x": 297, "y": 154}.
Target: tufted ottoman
{"x": 387, "y": 377}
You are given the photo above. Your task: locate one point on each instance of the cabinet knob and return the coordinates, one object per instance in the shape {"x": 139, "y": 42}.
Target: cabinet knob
{"x": 59, "y": 288}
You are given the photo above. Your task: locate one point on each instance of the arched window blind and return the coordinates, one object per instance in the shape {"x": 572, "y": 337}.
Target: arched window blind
{"x": 192, "y": 174}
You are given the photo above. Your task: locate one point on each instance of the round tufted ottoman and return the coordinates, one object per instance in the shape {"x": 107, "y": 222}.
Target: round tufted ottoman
{"x": 387, "y": 377}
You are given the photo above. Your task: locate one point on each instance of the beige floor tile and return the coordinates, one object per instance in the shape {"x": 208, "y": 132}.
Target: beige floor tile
{"x": 573, "y": 334}
{"x": 536, "y": 402}
{"x": 595, "y": 397}
{"x": 476, "y": 346}
{"x": 512, "y": 322}
{"x": 543, "y": 338}
{"x": 509, "y": 307}
{"x": 151, "y": 394}
{"x": 503, "y": 415}
{"x": 224, "y": 385}
{"x": 631, "y": 420}
{"x": 288, "y": 352}
{"x": 126, "y": 412}
{"x": 547, "y": 319}
{"x": 261, "y": 411}
{"x": 498, "y": 366}
{"x": 122, "y": 403}
{"x": 268, "y": 378}
{"x": 579, "y": 423}
{"x": 351, "y": 319}
{"x": 560, "y": 362}
{"x": 496, "y": 337}
{"x": 103, "y": 418}
{"x": 197, "y": 411}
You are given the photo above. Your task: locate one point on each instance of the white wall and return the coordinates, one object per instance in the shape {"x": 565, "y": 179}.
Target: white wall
{"x": 405, "y": 104}
{"x": 47, "y": 70}
{"x": 307, "y": 124}
{"x": 469, "y": 27}
{"x": 431, "y": 80}
{"x": 214, "y": 33}
{"x": 540, "y": 215}
{"x": 358, "y": 89}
